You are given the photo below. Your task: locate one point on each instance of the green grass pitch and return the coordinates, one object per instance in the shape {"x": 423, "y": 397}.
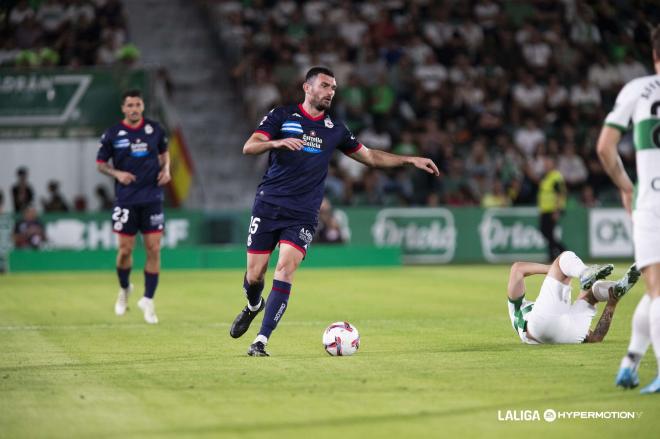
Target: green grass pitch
{"x": 438, "y": 359}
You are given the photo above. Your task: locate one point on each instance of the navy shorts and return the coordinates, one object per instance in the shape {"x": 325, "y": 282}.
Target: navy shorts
{"x": 145, "y": 218}
{"x": 271, "y": 225}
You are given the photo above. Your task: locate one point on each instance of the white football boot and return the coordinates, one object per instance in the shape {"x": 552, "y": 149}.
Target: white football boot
{"x": 147, "y": 306}
{"x": 121, "y": 305}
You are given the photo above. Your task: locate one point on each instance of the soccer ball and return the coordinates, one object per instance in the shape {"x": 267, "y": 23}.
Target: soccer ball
{"x": 341, "y": 338}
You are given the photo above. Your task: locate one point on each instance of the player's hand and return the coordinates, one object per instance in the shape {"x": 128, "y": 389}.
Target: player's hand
{"x": 124, "y": 177}
{"x": 290, "y": 143}
{"x": 626, "y": 200}
{"x": 425, "y": 164}
{"x": 164, "y": 177}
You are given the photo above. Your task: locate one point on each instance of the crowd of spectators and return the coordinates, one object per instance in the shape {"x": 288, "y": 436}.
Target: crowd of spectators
{"x": 72, "y": 33}
{"x": 29, "y": 231}
{"x": 486, "y": 88}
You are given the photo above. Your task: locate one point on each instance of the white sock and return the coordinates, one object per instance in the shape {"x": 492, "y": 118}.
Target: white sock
{"x": 654, "y": 321}
{"x": 601, "y": 289}
{"x": 571, "y": 265}
{"x": 261, "y": 338}
{"x": 640, "y": 337}
{"x": 254, "y": 308}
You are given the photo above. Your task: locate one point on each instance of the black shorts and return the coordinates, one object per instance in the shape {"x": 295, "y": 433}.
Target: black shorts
{"x": 145, "y": 218}
{"x": 271, "y": 224}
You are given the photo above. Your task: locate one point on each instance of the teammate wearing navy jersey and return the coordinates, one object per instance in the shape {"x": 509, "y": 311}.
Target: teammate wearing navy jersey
{"x": 141, "y": 167}
{"x": 300, "y": 140}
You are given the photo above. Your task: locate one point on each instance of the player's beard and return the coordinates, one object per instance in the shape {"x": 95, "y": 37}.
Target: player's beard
{"x": 323, "y": 104}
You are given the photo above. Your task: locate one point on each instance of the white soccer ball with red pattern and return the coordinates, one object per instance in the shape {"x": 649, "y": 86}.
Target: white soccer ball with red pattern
{"x": 341, "y": 339}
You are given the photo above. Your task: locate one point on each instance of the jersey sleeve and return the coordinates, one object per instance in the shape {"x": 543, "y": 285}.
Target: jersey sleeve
{"x": 624, "y": 107}
{"x": 162, "y": 141}
{"x": 105, "y": 148}
{"x": 272, "y": 123}
{"x": 349, "y": 143}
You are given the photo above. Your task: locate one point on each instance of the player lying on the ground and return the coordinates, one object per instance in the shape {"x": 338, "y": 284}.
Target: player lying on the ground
{"x": 553, "y": 318}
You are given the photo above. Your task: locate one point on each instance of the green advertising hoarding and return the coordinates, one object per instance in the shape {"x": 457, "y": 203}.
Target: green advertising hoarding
{"x": 94, "y": 231}
{"x": 420, "y": 235}
{"x": 464, "y": 235}
{"x": 62, "y": 102}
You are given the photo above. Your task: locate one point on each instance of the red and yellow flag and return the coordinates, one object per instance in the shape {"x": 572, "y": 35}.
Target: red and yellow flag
{"x": 181, "y": 167}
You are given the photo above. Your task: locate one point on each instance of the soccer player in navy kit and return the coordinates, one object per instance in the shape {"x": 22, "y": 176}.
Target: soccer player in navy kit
{"x": 141, "y": 167}
{"x": 300, "y": 140}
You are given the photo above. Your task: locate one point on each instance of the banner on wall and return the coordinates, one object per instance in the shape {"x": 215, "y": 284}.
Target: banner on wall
{"x": 610, "y": 233}
{"x": 423, "y": 235}
{"x": 54, "y": 103}
{"x": 94, "y": 231}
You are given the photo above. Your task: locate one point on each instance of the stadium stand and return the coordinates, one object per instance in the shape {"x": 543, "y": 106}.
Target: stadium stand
{"x": 485, "y": 88}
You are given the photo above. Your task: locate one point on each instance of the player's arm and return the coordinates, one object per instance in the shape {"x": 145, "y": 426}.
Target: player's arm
{"x": 603, "y": 325}
{"x": 519, "y": 271}
{"x": 381, "y": 159}
{"x": 259, "y": 143}
{"x": 609, "y": 157}
{"x": 164, "y": 174}
{"x": 123, "y": 177}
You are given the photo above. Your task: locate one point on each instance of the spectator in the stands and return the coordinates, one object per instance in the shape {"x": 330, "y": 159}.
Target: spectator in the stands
{"x": 588, "y": 198}
{"x": 104, "y": 198}
{"x": 329, "y": 230}
{"x": 571, "y": 166}
{"x": 262, "y": 95}
{"x": 51, "y": 17}
{"x": 630, "y": 68}
{"x": 29, "y": 232}
{"x": 528, "y": 137}
{"x": 55, "y": 202}
{"x": 495, "y": 196}
{"x": 20, "y": 14}
{"x": 528, "y": 97}
{"x": 21, "y": 192}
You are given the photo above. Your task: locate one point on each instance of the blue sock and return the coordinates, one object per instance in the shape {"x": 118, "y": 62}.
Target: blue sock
{"x": 252, "y": 291}
{"x": 123, "y": 274}
{"x": 275, "y": 307}
{"x": 150, "y": 284}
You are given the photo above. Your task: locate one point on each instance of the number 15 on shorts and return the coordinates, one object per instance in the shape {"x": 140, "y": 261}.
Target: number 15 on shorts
{"x": 254, "y": 225}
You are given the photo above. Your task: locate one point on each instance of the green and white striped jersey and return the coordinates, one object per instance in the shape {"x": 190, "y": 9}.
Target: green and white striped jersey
{"x": 639, "y": 101}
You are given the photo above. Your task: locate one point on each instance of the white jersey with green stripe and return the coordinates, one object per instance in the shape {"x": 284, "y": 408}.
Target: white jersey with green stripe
{"x": 639, "y": 102}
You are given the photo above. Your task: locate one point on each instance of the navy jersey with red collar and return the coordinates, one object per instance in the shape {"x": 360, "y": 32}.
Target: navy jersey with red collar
{"x": 135, "y": 150}
{"x": 295, "y": 179}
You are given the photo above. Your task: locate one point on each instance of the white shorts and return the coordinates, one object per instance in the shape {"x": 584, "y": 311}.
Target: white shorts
{"x": 646, "y": 237}
{"x": 554, "y": 319}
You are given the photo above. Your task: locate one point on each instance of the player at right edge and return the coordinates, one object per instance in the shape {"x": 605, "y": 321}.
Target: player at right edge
{"x": 639, "y": 101}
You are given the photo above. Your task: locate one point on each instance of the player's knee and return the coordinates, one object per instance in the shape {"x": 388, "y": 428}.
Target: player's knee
{"x": 255, "y": 276}
{"x": 125, "y": 251}
{"x": 285, "y": 270}
{"x": 256, "y": 273}
{"x": 153, "y": 249}
{"x": 566, "y": 255}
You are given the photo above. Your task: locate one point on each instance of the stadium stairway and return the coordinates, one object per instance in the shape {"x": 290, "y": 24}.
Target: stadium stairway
{"x": 174, "y": 34}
